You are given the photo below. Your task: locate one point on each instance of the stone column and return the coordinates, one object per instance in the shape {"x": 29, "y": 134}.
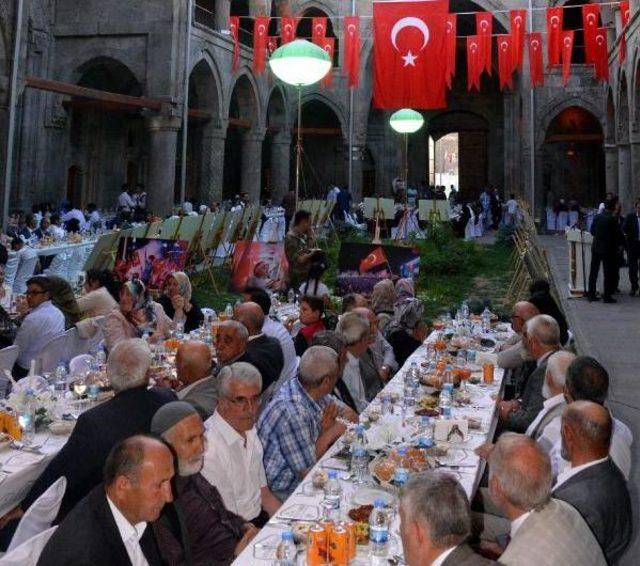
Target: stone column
{"x": 280, "y": 165}
{"x": 357, "y": 156}
{"x": 635, "y": 170}
{"x": 163, "y": 139}
{"x": 251, "y": 159}
{"x": 212, "y": 165}
{"x": 624, "y": 175}
{"x": 611, "y": 167}
{"x": 222, "y": 11}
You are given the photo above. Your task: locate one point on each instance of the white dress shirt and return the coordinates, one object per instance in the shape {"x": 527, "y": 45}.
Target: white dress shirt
{"x": 353, "y": 380}
{"x": 130, "y": 534}
{"x": 78, "y": 215}
{"x": 570, "y": 472}
{"x": 57, "y": 231}
{"x": 233, "y": 464}
{"x": 276, "y": 330}
{"x": 126, "y": 201}
{"x": 41, "y": 325}
{"x": 546, "y": 407}
{"x": 517, "y": 523}
{"x": 438, "y": 561}
{"x": 5, "y": 301}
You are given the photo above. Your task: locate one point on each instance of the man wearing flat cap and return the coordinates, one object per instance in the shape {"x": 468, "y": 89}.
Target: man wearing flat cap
{"x": 196, "y": 528}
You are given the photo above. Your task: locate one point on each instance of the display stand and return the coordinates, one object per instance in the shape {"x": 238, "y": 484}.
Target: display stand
{"x": 579, "y": 248}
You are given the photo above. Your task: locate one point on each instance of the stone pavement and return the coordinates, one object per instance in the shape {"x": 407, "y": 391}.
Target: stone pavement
{"x": 611, "y": 334}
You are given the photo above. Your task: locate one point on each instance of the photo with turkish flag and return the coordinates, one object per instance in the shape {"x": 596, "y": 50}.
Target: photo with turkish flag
{"x": 409, "y": 56}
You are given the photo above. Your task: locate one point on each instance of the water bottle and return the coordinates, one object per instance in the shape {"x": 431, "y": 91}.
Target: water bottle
{"x": 286, "y": 551}
{"x": 401, "y": 473}
{"x": 291, "y": 296}
{"x": 448, "y": 374}
{"x": 360, "y": 438}
{"x": 486, "y": 320}
{"x": 228, "y": 311}
{"x": 179, "y": 331}
{"x": 378, "y": 529}
{"x": 446, "y": 398}
{"x": 60, "y": 383}
{"x": 412, "y": 375}
{"x": 333, "y": 494}
{"x": 359, "y": 456}
{"x": 101, "y": 358}
{"x": 146, "y": 337}
{"x": 464, "y": 310}
{"x": 425, "y": 433}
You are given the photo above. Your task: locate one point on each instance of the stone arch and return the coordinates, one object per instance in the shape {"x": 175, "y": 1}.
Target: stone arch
{"x": 276, "y": 148}
{"x": 243, "y": 99}
{"x": 76, "y": 66}
{"x": 106, "y": 73}
{"x": 317, "y": 9}
{"x": 335, "y": 107}
{"x": 205, "y": 92}
{"x": 276, "y": 113}
{"x": 557, "y": 105}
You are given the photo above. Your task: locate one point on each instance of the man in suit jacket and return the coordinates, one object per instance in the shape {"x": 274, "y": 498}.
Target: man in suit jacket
{"x": 604, "y": 249}
{"x": 264, "y": 350}
{"x": 631, "y": 229}
{"x": 541, "y": 338}
{"x": 109, "y": 526}
{"x": 193, "y": 368}
{"x": 543, "y": 530}
{"x": 593, "y": 484}
{"x": 435, "y": 521}
{"x": 99, "y": 429}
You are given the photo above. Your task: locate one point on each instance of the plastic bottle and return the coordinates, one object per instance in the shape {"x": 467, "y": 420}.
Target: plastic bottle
{"x": 145, "y": 336}
{"x": 486, "y": 320}
{"x": 425, "y": 434}
{"x": 446, "y": 398}
{"x": 378, "y": 529}
{"x": 101, "y": 358}
{"x": 401, "y": 473}
{"x": 413, "y": 374}
{"x": 291, "y": 296}
{"x": 333, "y": 493}
{"x": 228, "y": 311}
{"x": 448, "y": 374}
{"x": 60, "y": 384}
{"x": 464, "y": 310}
{"x": 286, "y": 551}
{"x": 359, "y": 456}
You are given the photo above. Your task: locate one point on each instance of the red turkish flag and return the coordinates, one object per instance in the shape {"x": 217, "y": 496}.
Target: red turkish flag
{"x": 474, "y": 63}
{"x": 234, "y": 26}
{"x": 408, "y": 56}
{"x": 590, "y": 22}
{"x": 288, "y": 27}
{"x": 450, "y": 41}
{"x": 318, "y": 30}
{"x": 624, "y": 12}
{"x": 260, "y": 40}
{"x": 328, "y": 45}
{"x": 518, "y": 23}
{"x": 272, "y": 43}
{"x": 375, "y": 258}
{"x": 484, "y": 26}
{"x": 352, "y": 50}
{"x": 536, "y": 66}
{"x": 504, "y": 44}
{"x": 601, "y": 54}
{"x": 566, "y": 40}
{"x": 554, "y": 30}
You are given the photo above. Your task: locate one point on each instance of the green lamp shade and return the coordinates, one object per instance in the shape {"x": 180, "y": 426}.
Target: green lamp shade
{"x": 300, "y": 63}
{"x": 406, "y": 121}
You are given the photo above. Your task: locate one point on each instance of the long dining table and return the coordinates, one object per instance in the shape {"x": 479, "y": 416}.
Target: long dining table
{"x": 387, "y": 432}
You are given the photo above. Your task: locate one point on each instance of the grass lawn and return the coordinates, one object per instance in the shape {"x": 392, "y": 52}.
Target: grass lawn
{"x": 451, "y": 270}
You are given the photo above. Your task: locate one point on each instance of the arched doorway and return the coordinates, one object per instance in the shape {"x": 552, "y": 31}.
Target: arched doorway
{"x": 108, "y": 143}
{"x": 304, "y": 30}
{"x": 573, "y": 158}
{"x": 323, "y": 150}
{"x": 276, "y": 150}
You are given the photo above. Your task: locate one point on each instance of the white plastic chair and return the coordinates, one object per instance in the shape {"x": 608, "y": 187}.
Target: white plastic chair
{"x": 58, "y": 265}
{"x": 80, "y": 364}
{"x": 40, "y": 515}
{"x": 11, "y": 268}
{"x": 26, "y": 267}
{"x": 28, "y": 553}
{"x": 51, "y": 353}
{"x": 8, "y": 357}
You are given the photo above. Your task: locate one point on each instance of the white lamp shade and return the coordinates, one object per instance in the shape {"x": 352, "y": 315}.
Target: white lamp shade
{"x": 406, "y": 121}
{"x": 300, "y": 63}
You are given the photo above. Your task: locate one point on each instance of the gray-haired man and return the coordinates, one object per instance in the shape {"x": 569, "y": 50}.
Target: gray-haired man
{"x": 233, "y": 460}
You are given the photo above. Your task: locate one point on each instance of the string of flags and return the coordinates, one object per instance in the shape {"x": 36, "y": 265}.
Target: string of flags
{"x": 408, "y": 34}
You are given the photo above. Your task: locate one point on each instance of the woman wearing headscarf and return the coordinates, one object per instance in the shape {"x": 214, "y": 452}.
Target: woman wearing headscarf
{"x": 136, "y": 314}
{"x": 407, "y": 330}
{"x": 383, "y": 298}
{"x": 177, "y": 303}
{"x": 404, "y": 290}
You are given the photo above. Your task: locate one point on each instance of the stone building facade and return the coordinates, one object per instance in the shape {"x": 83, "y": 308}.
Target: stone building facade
{"x": 241, "y": 129}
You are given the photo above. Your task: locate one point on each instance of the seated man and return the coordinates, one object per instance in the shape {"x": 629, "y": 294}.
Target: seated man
{"x": 435, "y": 522}
{"x": 381, "y": 351}
{"x": 42, "y": 323}
{"x": 109, "y": 526}
{"x": 512, "y": 353}
{"x": 543, "y": 530}
{"x": 299, "y": 423}
{"x": 352, "y": 301}
{"x": 193, "y": 368}
{"x": 233, "y": 459}
{"x": 197, "y": 528}
{"x": 99, "y": 429}
{"x": 593, "y": 484}
{"x": 231, "y": 344}
{"x": 331, "y": 339}
{"x": 541, "y": 338}
{"x": 264, "y": 350}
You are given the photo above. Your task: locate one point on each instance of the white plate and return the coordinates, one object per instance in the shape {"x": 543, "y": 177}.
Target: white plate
{"x": 62, "y": 428}
{"x": 367, "y": 495}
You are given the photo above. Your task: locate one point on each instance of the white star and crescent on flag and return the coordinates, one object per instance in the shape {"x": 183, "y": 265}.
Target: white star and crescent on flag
{"x": 410, "y": 22}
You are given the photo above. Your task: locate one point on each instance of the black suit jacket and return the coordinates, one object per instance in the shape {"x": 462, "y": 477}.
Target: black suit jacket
{"x": 606, "y": 234}
{"x": 601, "y": 496}
{"x": 266, "y": 353}
{"x": 630, "y": 229}
{"x": 89, "y": 536}
{"x": 463, "y": 555}
{"x": 82, "y": 458}
{"x": 531, "y": 401}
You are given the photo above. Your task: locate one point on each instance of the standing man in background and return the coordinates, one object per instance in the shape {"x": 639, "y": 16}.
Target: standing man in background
{"x": 606, "y": 237}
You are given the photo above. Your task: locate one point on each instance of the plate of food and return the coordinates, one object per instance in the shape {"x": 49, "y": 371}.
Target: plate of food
{"x": 383, "y": 467}
{"x": 366, "y": 495}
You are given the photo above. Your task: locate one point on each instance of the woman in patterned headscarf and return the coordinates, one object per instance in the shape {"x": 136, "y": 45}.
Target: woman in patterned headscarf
{"x": 404, "y": 290}
{"x": 136, "y": 314}
{"x": 177, "y": 303}
{"x": 407, "y": 330}
{"x": 383, "y": 298}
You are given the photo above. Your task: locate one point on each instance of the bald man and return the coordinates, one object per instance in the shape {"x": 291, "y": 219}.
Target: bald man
{"x": 264, "y": 351}
{"x": 512, "y": 352}
{"x": 594, "y": 485}
{"x": 193, "y": 366}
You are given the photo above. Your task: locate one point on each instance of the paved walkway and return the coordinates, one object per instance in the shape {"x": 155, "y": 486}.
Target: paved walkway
{"x": 611, "y": 334}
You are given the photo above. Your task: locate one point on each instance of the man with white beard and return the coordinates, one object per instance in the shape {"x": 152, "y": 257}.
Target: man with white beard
{"x": 197, "y": 526}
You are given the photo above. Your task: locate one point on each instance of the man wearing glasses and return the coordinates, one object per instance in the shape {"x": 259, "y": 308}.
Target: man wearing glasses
{"x": 511, "y": 352}
{"x": 42, "y": 323}
{"x": 233, "y": 459}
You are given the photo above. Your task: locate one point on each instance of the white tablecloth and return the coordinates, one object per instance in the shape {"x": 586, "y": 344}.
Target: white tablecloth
{"x": 482, "y": 406}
